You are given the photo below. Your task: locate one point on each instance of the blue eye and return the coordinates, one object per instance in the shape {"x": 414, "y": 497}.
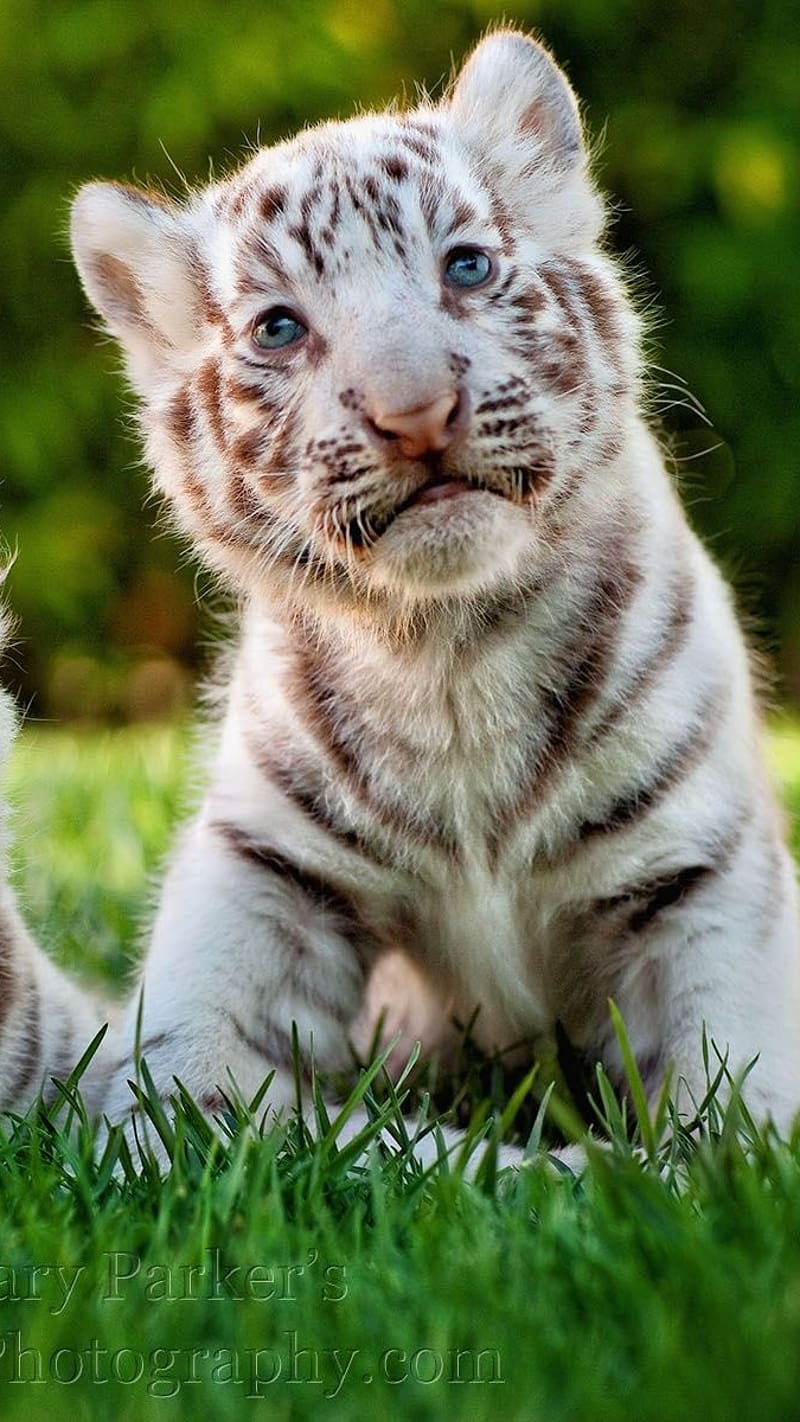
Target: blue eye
{"x": 467, "y": 266}
{"x": 277, "y": 327}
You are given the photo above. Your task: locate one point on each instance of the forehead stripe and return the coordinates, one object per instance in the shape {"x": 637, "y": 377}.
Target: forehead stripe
{"x": 272, "y": 202}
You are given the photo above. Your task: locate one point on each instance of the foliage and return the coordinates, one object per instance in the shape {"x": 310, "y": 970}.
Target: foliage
{"x": 697, "y": 106}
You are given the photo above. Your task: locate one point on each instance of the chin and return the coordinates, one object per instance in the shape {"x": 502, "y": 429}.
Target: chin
{"x": 465, "y": 546}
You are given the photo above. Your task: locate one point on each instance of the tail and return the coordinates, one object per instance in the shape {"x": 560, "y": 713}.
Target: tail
{"x": 46, "y": 1021}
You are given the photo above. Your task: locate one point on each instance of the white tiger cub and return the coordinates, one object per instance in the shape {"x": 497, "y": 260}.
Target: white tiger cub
{"x": 491, "y": 708}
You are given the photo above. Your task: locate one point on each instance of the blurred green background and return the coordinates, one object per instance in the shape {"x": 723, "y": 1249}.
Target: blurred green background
{"x": 699, "y": 106}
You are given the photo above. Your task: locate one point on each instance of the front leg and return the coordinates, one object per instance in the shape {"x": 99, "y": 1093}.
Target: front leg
{"x": 725, "y": 961}
{"x": 246, "y": 941}
{"x": 401, "y": 1008}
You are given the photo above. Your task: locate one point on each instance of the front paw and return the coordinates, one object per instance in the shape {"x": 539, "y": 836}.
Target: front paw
{"x": 399, "y": 1002}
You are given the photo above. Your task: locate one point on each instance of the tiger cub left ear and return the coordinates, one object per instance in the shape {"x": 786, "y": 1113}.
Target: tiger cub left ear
{"x": 510, "y": 87}
{"x": 135, "y": 255}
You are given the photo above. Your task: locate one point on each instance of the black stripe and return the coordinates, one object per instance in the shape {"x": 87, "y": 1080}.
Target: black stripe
{"x": 364, "y": 211}
{"x": 269, "y": 1041}
{"x": 182, "y": 416}
{"x": 487, "y": 616}
{"x": 213, "y": 1103}
{"x": 66, "y": 1059}
{"x": 315, "y": 699}
{"x": 665, "y": 892}
{"x": 675, "y": 767}
{"x": 325, "y": 895}
{"x": 588, "y": 674}
{"x": 673, "y": 638}
{"x": 272, "y": 202}
{"x": 655, "y": 895}
{"x": 29, "y": 1062}
{"x": 8, "y": 971}
{"x": 301, "y": 233}
{"x": 307, "y": 792}
{"x": 564, "y": 708}
{"x": 558, "y": 282}
{"x": 600, "y": 301}
{"x": 66, "y": 1054}
{"x": 152, "y": 1043}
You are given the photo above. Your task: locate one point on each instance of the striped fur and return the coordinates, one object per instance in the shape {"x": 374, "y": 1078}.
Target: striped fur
{"x": 46, "y": 1022}
{"x": 504, "y": 734}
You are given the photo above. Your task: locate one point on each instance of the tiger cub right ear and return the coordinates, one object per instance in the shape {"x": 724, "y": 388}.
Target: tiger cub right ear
{"x": 516, "y": 112}
{"x": 135, "y": 253}
{"x": 511, "y": 88}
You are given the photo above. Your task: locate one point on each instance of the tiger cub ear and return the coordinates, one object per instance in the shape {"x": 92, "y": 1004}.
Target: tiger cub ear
{"x": 134, "y": 253}
{"x": 510, "y": 87}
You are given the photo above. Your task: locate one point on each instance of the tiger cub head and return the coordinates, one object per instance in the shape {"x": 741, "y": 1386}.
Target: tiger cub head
{"x": 374, "y": 361}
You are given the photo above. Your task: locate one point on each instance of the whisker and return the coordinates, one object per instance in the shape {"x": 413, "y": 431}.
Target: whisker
{"x": 698, "y": 454}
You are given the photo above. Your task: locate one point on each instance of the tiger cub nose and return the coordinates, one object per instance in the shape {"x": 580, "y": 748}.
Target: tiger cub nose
{"x": 428, "y": 429}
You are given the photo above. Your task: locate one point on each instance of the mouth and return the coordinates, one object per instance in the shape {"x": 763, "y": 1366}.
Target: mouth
{"x": 440, "y": 486}
{"x": 435, "y": 490}
{"x": 362, "y": 531}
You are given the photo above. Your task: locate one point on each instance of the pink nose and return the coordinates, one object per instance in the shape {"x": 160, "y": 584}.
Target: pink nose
{"x": 426, "y": 430}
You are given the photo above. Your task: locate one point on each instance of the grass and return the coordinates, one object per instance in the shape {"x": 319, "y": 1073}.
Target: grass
{"x": 282, "y": 1277}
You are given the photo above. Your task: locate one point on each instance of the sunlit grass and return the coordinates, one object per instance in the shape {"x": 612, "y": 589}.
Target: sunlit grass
{"x": 93, "y": 816}
{"x": 784, "y": 747}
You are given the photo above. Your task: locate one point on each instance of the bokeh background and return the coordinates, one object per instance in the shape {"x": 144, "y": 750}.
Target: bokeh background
{"x": 696, "y": 107}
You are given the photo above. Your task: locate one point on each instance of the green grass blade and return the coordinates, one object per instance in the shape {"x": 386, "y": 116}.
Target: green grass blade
{"x": 635, "y": 1085}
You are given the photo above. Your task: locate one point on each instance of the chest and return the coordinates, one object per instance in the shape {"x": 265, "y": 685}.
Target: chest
{"x": 441, "y": 800}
